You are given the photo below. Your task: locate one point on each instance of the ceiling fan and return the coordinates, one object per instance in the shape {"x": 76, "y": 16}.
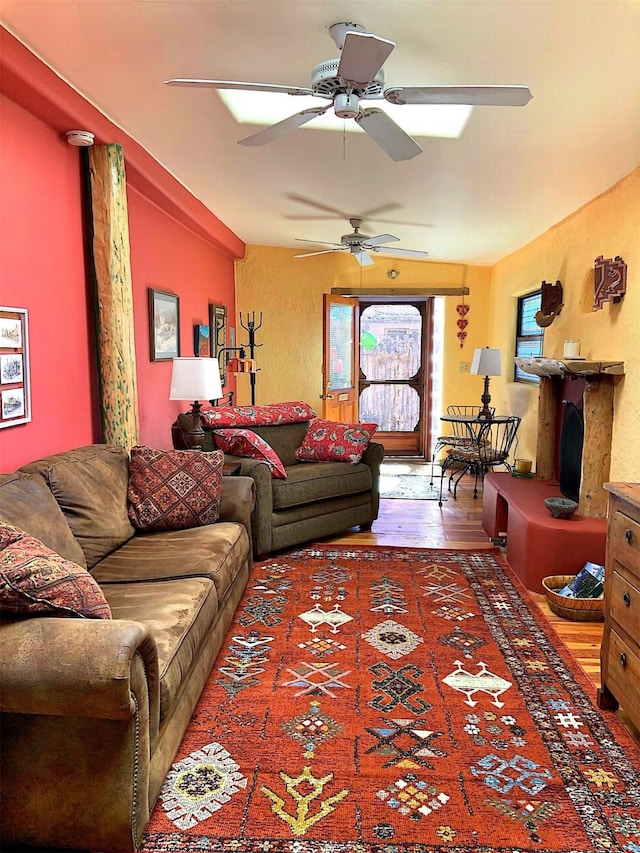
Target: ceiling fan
{"x": 356, "y": 77}
{"x": 360, "y": 246}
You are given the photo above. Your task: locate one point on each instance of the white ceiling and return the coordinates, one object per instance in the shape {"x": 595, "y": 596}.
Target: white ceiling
{"x": 514, "y": 172}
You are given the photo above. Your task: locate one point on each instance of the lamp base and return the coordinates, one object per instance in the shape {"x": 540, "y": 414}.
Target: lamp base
{"x": 196, "y": 433}
{"x": 485, "y": 413}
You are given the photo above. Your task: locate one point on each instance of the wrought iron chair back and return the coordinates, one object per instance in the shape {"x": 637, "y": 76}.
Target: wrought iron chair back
{"x": 489, "y": 447}
{"x": 459, "y": 435}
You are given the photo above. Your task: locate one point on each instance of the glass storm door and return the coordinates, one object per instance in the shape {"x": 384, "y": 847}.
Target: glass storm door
{"x": 340, "y": 368}
{"x": 394, "y": 374}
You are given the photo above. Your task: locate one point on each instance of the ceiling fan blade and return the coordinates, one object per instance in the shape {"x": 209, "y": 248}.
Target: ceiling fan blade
{"x": 380, "y": 238}
{"x": 333, "y": 213}
{"x": 237, "y": 84}
{"x": 321, "y": 242}
{"x": 323, "y": 252}
{"x": 497, "y": 96}
{"x": 269, "y": 134}
{"x": 317, "y": 204}
{"x": 364, "y": 259}
{"x": 401, "y": 253}
{"x": 363, "y": 55}
{"x": 388, "y": 135}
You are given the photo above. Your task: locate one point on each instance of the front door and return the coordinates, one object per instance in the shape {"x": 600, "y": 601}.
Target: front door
{"x": 340, "y": 359}
{"x": 394, "y": 373}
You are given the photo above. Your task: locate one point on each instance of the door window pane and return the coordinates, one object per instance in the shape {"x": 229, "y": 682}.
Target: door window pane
{"x": 395, "y": 408}
{"x": 390, "y": 341}
{"x": 341, "y": 346}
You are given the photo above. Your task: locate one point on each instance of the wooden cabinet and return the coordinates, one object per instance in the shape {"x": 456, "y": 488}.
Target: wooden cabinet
{"x": 620, "y": 652}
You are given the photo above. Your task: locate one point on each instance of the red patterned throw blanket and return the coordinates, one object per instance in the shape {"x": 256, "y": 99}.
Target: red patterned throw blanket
{"x": 246, "y": 416}
{"x": 378, "y": 700}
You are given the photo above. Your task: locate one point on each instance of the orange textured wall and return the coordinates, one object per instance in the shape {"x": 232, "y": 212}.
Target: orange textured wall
{"x": 608, "y": 225}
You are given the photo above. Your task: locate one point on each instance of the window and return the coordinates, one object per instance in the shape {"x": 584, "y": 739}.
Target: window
{"x": 529, "y": 336}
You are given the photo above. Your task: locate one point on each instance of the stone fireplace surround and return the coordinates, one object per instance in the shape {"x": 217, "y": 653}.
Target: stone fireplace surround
{"x": 599, "y": 378}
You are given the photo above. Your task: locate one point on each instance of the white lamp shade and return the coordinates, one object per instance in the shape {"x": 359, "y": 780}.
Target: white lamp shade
{"x": 486, "y": 362}
{"x": 195, "y": 379}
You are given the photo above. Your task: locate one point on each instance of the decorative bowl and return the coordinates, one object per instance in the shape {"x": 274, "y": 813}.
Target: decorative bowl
{"x": 560, "y": 507}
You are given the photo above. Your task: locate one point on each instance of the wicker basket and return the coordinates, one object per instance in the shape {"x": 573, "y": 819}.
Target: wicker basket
{"x": 576, "y": 609}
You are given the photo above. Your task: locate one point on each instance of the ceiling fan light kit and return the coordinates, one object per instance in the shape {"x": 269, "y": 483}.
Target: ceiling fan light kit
{"x": 357, "y": 76}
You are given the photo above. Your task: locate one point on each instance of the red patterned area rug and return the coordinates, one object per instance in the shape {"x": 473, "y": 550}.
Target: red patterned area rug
{"x": 378, "y": 700}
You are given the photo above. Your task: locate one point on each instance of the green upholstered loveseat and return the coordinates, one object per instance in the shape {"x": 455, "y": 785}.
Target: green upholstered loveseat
{"x": 316, "y": 499}
{"x": 92, "y": 711}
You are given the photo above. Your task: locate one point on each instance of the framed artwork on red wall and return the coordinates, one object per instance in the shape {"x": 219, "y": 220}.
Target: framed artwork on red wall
{"x": 15, "y": 392}
{"x": 164, "y": 325}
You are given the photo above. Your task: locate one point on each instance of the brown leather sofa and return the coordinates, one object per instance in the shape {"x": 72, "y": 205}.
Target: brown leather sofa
{"x": 93, "y": 710}
{"x": 316, "y": 499}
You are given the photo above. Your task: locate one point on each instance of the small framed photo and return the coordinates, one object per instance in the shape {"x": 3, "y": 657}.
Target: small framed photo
{"x": 11, "y": 368}
{"x": 201, "y": 341}
{"x": 164, "y": 325}
{"x": 15, "y": 391}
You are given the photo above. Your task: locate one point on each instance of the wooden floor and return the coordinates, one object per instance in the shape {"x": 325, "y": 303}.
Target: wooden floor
{"x": 458, "y": 524}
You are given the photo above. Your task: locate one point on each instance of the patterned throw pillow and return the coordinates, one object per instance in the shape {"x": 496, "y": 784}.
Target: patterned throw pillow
{"x": 174, "y": 489}
{"x": 35, "y": 581}
{"x": 326, "y": 441}
{"x": 246, "y": 416}
{"x": 245, "y": 442}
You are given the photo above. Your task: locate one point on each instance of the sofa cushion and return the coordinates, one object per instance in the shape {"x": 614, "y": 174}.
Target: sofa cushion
{"x": 327, "y": 441}
{"x": 311, "y": 482}
{"x": 216, "y": 551}
{"x": 27, "y": 503}
{"x": 174, "y": 489}
{"x": 179, "y": 615}
{"x": 245, "y": 442}
{"x": 90, "y": 485}
{"x": 35, "y": 581}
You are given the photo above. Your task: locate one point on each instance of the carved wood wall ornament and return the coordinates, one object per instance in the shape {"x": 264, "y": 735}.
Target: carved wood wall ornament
{"x": 551, "y": 303}
{"x": 610, "y": 280}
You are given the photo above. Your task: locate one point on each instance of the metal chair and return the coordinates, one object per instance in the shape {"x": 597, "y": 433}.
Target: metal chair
{"x": 459, "y": 435}
{"x": 488, "y": 448}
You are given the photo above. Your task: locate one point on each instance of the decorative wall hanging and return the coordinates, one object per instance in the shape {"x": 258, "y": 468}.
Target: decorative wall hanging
{"x": 462, "y": 321}
{"x": 610, "y": 280}
{"x": 164, "y": 325}
{"x": 551, "y": 303}
{"x": 15, "y": 391}
{"x": 218, "y": 335}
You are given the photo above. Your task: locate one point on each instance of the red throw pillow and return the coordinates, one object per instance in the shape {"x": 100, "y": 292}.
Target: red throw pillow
{"x": 245, "y": 442}
{"x": 246, "y": 416}
{"x": 174, "y": 489}
{"x": 327, "y": 441}
{"x": 35, "y": 581}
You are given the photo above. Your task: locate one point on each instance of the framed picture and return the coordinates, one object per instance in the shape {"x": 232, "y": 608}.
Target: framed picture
{"x": 218, "y": 332}
{"x": 164, "y": 325}
{"x": 15, "y": 393}
{"x": 201, "y": 341}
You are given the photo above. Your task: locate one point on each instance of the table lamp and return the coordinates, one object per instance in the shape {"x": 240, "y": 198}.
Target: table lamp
{"x": 486, "y": 362}
{"x": 195, "y": 379}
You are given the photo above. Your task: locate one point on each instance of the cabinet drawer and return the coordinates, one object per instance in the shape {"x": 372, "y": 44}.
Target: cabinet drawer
{"x": 623, "y": 675}
{"x": 624, "y": 605}
{"x": 624, "y": 541}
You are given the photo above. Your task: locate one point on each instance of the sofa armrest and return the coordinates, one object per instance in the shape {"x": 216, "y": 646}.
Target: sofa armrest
{"x": 238, "y": 502}
{"x": 78, "y": 668}
{"x": 261, "y": 519}
{"x": 373, "y": 456}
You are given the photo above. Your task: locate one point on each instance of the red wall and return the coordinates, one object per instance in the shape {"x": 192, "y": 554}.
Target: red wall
{"x": 176, "y": 245}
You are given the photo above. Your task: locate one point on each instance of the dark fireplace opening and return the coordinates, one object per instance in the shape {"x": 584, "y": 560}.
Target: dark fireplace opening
{"x": 571, "y": 442}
